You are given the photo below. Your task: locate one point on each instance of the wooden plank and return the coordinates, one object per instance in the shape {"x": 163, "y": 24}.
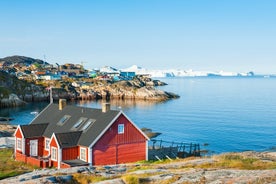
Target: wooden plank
{"x": 105, "y": 155}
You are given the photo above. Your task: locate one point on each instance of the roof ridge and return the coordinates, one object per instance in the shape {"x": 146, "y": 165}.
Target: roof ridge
{"x": 79, "y": 131}
{"x": 41, "y": 112}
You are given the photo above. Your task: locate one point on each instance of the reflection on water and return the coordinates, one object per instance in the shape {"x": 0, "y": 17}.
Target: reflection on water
{"x": 117, "y": 104}
{"x": 23, "y": 115}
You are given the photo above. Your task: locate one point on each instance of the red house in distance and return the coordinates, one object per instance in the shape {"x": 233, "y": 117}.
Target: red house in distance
{"x": 64, "y": 136}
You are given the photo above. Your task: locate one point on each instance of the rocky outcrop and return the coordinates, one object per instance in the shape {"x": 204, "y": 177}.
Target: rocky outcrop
{"x": 6, "y": 136}
{"x": 12, "y": 101}
{"x": 15, "y": 92}
{"x": 11, "y": 60}
{"x": 193, "y": 170}
{"x": 7, "y": 130}
{"x": 123, "y": 92}
{"x": 141, "y": 88}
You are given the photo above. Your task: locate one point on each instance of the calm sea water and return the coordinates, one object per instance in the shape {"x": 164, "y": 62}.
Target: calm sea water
{"x": 229, "y": 114}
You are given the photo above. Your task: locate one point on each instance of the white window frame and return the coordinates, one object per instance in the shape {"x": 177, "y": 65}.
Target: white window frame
{"x": 121, "y": 128}
{"x": 63, "y": 120}
{"x": 19, "y": 144}
{"x": 54, "y": 153}
{"x": 78, "y": 123}
{"x": 81, "y": 154}
{"x": 87, "y": 124}
{"x": 47, "y": 146}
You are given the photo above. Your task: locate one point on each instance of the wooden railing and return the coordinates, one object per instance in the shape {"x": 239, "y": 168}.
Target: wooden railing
{"x": 159, "y": 149}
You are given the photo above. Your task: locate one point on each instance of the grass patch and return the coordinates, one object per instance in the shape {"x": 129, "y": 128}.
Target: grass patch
{"x": 85, "y": 179}
{"x": 9, "y": 167}
{"x": 156, "y": 162}
{"x": 131, "y": 179}
{"x": 170, "y": 180}
{"x": 237, "y": 161}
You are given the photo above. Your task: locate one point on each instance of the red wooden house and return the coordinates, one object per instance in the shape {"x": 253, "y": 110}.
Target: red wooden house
{"x": 64, "y": 136}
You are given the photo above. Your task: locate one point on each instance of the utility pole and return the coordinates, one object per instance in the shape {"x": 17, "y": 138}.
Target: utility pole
{"x": 51, "y": 95}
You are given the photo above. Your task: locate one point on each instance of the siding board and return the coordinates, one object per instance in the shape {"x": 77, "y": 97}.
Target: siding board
{"x": 104, "y": 155}
{"x": 131, "y": 152}
{"x": 114, "y": 148}
{"x": 70, "y": 153}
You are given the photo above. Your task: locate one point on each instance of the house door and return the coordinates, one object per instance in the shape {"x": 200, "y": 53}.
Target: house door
{"x": 33, "y": 147}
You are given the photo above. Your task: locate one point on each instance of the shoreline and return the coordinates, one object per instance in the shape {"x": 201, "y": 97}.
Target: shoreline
{"x": 139, "y": 88}
{"x": 187, "y": 170}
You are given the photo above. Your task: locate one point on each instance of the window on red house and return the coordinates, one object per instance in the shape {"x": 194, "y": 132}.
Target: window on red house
{"x": 121, "y": 128}
{"x": 47, "y": 144}
{"x": 18, "y": 144}
{"x": 83, "y": 154}
{"x": 54, "y": 153}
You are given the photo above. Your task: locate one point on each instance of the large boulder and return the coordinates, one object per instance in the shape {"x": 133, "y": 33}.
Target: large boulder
{"x": 12, "y": 101}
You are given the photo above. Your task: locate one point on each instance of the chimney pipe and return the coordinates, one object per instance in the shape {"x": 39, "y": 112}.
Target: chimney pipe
{"x": 105, "y": 107}
{"x": 62, "y": 103}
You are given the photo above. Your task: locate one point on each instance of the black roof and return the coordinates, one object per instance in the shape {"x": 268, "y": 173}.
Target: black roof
{"x": 68, "y": 139}
{"x": 33, "y": 130}
{"x": 52, "y": 116}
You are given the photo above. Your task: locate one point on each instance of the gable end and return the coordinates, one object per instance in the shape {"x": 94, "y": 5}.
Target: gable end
{"x": 111, "y": 123}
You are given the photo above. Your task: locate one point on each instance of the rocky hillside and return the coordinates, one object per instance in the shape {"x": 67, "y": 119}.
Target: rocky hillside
{"x": 22, "y": 90}
{"x": 20, "y": 60}
{"x": 142, "y": 88}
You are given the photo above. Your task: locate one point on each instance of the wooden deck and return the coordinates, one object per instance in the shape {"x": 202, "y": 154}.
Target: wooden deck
{"x": 159, "y": 149}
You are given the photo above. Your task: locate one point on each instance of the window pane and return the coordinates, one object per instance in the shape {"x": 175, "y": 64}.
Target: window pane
{"x": 54, "y": 154}
{"x": 63, "y": 119}
{"x": 78, "y": 123}
{"x": 83, "y": 154}
{"x": 19, "y": 144}
{"x": 120, "y": 128}
{"x": 88, "y": 123}
{"x": 47, "y": 144}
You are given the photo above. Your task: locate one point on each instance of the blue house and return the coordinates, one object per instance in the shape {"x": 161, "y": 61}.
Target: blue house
{"x": 127, "y": 75}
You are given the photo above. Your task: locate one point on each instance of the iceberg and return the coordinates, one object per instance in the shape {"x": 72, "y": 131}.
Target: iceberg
{"x": 183, "y": 73}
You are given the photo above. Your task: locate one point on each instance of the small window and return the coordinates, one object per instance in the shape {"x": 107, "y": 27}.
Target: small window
{"x": 47, "y": 144}
{"x": 83, "y": 154}
{"x": 63, "y": 120}
{"x": 19, "y": 144}
{"x": 121, "y": 128}
{"x": 54, "y": 153}
{"x": 88, "y": 124}
{"x": 78, "y": 123}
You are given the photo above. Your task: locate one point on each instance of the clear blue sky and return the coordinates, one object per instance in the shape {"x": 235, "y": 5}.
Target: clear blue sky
{"x": 229, "y": 35}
